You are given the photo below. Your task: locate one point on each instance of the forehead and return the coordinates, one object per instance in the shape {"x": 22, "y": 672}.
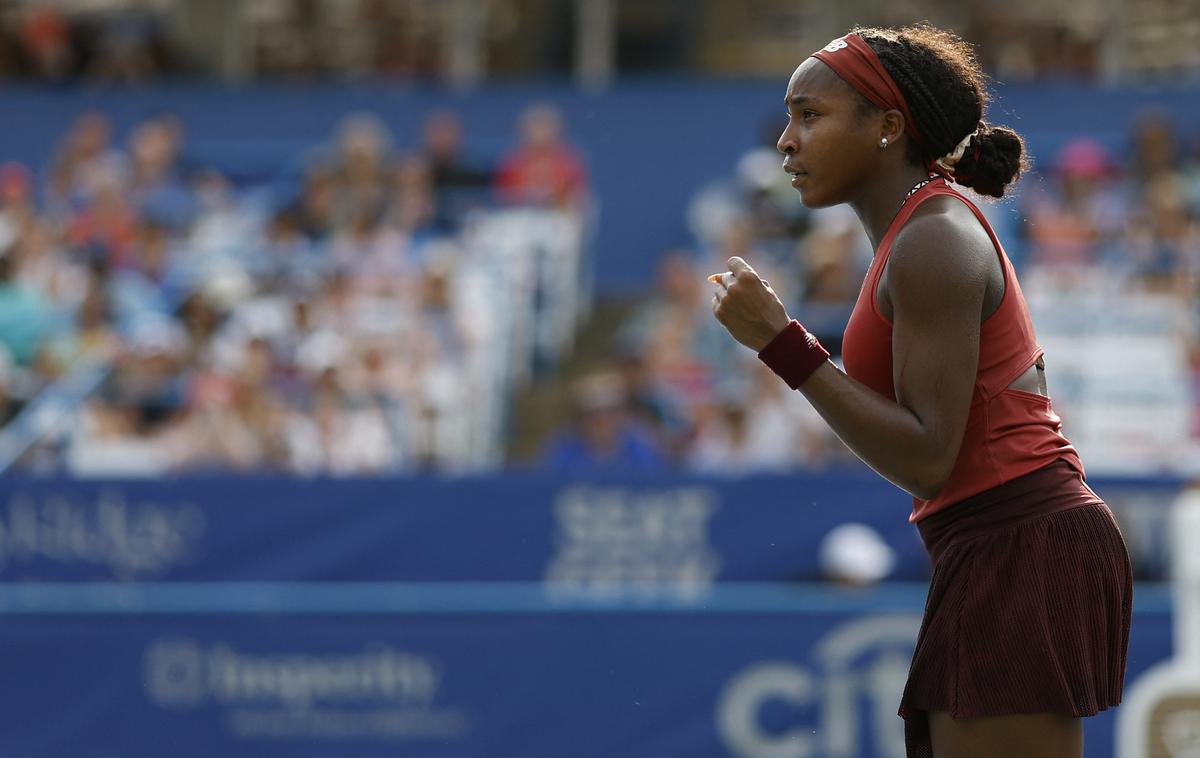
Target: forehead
{"x": 814, "y": 79}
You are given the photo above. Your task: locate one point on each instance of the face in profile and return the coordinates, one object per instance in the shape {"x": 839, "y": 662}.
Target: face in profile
{"x": 830, "y": 145}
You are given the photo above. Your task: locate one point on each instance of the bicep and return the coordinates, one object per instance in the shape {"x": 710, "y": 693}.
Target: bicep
{"x": 937, "y": 290}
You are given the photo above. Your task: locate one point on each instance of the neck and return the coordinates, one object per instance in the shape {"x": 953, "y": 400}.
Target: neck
{"x": 881, "y": 201}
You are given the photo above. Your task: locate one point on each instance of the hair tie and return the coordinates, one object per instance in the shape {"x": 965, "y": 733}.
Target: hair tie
{"x": 948, "y": 160}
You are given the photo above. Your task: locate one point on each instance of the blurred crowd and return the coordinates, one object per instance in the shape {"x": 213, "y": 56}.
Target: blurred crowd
{"x": 1120, "y": 229}
{"x": 335, "y": 325}
{"x": 370, "y": 315}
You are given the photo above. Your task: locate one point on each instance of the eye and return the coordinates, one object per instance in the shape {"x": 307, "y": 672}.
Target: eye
{"x": 808, "y": 115}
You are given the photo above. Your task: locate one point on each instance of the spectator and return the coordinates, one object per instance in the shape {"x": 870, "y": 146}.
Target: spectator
{"x": 458, "y": 184}
{"x": 362, "y": 167}
{"x": 543, "y": 170}
{"x": 85, "y": 161}
{"x": 1071, "y": 225}
{"x": 603, "y": 435}
{"x": 25, "y": 314}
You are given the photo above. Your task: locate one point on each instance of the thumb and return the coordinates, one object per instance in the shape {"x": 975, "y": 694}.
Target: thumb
{"x": 737, "y": 266}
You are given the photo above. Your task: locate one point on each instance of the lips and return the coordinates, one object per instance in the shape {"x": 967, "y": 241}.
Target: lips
{"x": 796, "y": 174}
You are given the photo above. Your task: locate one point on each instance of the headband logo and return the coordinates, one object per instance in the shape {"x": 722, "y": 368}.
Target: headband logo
{"x": 837, "y": 44}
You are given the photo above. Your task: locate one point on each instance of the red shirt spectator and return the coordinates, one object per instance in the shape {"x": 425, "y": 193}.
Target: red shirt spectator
{"x": 543, "y": 170}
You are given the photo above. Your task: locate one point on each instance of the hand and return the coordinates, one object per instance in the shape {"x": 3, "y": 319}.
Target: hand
{"x": 746, "y": 305}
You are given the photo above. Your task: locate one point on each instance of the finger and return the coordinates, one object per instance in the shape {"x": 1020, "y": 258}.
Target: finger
{"x": 737, "y": 265}
{"x": 719, "y": 279}
{"x": 727, "y": 279}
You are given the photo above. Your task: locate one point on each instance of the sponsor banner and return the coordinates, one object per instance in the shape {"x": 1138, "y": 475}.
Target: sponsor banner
{"x": 598, "y": 538}
{"x": 532, "y": 682}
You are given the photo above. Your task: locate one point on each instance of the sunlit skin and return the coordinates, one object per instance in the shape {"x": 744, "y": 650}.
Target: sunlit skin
{"x": 942, "y": 279}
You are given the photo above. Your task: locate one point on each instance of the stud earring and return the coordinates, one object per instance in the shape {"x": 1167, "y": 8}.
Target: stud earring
{"x": 883, "y": 143}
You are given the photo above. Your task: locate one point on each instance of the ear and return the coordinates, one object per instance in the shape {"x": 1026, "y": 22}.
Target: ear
{"x": 891, "y": 126}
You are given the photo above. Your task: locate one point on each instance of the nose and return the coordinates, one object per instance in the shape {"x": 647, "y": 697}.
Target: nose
{"x": 787, "y": 141}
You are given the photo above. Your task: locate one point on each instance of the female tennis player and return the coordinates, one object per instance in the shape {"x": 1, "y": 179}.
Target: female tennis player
{"x": 1026, "y": 626}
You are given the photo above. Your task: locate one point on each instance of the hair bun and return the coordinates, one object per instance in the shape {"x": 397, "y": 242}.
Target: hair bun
{"x": 993, "y": 160}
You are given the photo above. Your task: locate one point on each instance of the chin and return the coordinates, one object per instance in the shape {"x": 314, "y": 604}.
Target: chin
{"x": 810, "y": 199}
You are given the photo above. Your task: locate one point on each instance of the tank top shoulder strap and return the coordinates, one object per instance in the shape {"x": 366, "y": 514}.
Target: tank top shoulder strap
{"x": 934, "y": 188}
{"x": 945, "y": 189}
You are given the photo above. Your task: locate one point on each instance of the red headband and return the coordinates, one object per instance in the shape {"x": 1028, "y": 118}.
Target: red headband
{"x": 856, "y": 63}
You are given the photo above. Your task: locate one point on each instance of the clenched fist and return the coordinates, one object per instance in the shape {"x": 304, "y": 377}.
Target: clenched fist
{"x": 746, "y": 305}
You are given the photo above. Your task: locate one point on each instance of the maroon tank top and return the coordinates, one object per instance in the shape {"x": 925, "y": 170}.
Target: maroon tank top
{"x": 1009, "y": 432}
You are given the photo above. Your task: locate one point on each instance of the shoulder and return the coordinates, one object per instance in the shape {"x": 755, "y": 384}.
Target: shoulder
{"x": 943, "y": 244}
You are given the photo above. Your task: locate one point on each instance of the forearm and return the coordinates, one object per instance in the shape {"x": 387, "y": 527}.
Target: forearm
{"x": 888, "y": 437}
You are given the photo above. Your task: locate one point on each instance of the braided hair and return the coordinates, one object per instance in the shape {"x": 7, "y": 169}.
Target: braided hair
{"x": 940, "y": 78}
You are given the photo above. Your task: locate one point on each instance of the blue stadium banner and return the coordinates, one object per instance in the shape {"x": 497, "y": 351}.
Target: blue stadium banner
{"x": 488, "y": 671}
{"x": 592, "y": 536}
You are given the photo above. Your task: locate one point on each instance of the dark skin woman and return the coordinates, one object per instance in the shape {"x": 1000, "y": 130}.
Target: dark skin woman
{"x": 943, "y": 279}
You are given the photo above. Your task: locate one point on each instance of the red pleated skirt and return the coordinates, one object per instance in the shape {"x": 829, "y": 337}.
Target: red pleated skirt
{"x": 1028, "y": 609}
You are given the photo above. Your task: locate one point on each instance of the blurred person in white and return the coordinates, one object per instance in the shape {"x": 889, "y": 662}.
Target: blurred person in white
{"x": 603, "y": 435}
{"x": 149, "y": 279}
{"x": 373, "y": 254}
{"x": 84, "y": 160}
{"x": 285, "y": 258}
{"x": 127, "y": 428}
{"x": 854, "y": 555}
{"x": 334, "y": 432}
{"x": 156, "y": 186}
{"x": 342, "y": 305}
{"x": 543, "y": 170}
{"x": 225, "y": 229}
{"x": 361, "y": 167}
{"x": 443, "y": 401}
{"x": 1074, "y": 221}
{"x": 755, "y": 425}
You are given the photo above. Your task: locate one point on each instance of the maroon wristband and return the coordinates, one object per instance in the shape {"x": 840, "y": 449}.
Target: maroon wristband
{"x": 794, "y": 354}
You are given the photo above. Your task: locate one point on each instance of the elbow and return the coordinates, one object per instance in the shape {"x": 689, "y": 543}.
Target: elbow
{"x": 930, "y": 479}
